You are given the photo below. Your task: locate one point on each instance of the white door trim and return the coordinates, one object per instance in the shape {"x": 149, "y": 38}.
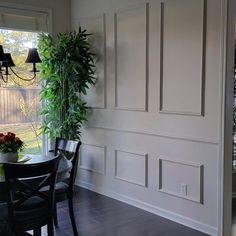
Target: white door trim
{"x": 225, "y": 150}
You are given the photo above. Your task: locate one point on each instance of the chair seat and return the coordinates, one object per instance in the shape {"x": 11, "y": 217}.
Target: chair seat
{"x": 31, "y": 212}
{"x": 33, "y": 202}
{"x": 61, "y": 191}
{"x": 61, "y": 187}
{"x": 4, "y": 225}
{"x": 24, "y": 221}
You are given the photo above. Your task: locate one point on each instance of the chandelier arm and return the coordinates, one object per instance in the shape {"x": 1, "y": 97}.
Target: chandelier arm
{"x": 21, "y": 84}
{"x": 4, "y": 80}
{"x": 21, "y": 77}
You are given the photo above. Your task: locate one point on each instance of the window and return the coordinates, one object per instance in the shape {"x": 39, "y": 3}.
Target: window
{"x": 19, "y": 101}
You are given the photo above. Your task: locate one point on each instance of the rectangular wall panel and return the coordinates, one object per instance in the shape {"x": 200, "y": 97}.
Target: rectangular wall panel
{"x": 181, "y": 180}
{"x": 183, "y": 25}
{"x": 93, "y": 158}
{"x": 96, "y": 94}
{"x": 131, "y": 58}
{"x": 131, "y": 167}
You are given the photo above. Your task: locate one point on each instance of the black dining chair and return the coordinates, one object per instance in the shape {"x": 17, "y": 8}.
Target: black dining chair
{"x": 28, "y": 207}
{"x": 68, "y": 149}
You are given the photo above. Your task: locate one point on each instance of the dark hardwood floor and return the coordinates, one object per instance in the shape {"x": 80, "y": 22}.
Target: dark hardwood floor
{"x": 98, "y": 215}
{"x": 234, "y": 217}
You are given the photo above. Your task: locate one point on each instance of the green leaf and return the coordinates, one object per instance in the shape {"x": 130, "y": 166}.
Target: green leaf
{"x": 67, "y": 70}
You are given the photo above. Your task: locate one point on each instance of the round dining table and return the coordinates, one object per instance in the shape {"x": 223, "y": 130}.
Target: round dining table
{"x": 63, "y": 170}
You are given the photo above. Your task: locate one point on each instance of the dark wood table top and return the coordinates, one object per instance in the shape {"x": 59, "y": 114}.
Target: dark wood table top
{"x": 63, "y": 170}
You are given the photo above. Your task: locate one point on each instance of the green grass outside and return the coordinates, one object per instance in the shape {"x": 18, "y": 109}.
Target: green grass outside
{"x": 26, "y": 134}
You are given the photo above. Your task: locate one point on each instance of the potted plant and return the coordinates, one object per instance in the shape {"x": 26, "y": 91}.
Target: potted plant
{"x": 10, "y": 145}
{"x": 67, "y": 71}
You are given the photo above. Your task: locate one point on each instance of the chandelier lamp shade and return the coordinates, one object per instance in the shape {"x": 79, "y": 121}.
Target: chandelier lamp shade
{"x": 7, "y": 64}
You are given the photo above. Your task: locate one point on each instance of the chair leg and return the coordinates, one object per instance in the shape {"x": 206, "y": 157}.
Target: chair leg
{"x": 55, "y": 216}
{"x": 37, "y": 232}
{"x": 50, "y": 228}
{"x": 72, "y": 216}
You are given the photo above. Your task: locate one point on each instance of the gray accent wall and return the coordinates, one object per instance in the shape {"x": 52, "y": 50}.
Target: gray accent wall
{"x": 153, "y": 137}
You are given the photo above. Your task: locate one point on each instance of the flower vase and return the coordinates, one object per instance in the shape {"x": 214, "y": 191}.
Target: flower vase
{"x": 8, "y": 157}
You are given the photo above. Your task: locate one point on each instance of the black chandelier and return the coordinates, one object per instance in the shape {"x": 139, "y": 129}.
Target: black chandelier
{"x": 6, "y": 64}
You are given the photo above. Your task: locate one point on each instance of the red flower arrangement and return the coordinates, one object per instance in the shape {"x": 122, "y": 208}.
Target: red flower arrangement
{"x": 10, "y": 143}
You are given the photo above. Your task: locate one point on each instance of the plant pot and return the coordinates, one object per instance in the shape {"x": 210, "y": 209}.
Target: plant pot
{"x": 8, "y": 157}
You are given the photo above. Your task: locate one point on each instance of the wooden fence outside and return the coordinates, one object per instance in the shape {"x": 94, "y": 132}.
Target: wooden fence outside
{"x": 13, "y": 99}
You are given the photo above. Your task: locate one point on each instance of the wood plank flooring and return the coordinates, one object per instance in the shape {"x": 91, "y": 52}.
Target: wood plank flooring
{"x": 98, "y": 215}
{"x": 234, "y": 217}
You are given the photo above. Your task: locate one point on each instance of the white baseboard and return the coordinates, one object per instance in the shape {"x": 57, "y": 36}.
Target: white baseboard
{"x": 151, "y": 208}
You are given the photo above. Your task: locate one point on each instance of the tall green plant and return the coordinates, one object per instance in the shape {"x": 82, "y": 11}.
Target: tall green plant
{"x": 67, "y": 71}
